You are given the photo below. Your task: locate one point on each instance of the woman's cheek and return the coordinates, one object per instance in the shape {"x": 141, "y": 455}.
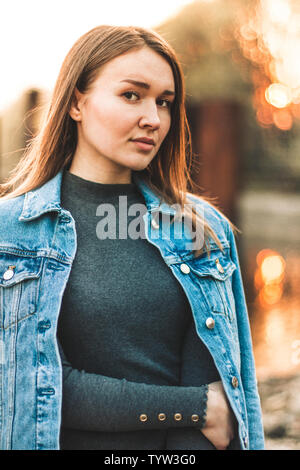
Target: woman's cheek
{"x": 112, "y": 116}
{"x": 165, "y": 127}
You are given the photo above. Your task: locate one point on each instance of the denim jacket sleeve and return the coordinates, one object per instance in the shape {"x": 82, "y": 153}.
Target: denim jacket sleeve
{"x": 248, "y": 375}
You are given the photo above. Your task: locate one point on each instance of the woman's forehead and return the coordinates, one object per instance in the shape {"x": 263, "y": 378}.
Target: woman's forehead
{"x": 142, "y": 65}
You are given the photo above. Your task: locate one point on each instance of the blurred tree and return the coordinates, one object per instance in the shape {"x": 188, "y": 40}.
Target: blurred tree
{"x": 218, "y": 90}
{"x": 203, "y": 35}
{"x": 221, "y": 80}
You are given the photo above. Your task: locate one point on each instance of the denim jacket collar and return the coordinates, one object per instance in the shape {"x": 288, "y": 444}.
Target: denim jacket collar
{"x": 47, "y": 198}
{"x": 153, "y": 202}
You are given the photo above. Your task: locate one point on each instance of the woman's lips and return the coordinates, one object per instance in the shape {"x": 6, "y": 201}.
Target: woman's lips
{"x": 143, "y": 145}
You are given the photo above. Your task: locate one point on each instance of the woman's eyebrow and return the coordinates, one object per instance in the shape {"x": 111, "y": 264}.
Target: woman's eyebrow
{"x": 147, "y": 86}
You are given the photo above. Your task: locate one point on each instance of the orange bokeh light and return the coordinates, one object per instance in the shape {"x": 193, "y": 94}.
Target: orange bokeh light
{"x": 270, "y": 295}
{"x": 283, "y": 119}
{"x": 264, "y": 116}
{"x": 278, "y": 95}
{"x": 295, "y": 110}
{"x": 272, "y": 269}
{"x": 262, "y": 254}
{"x": 269, "y": 38}
{"x": 269, "y": 277}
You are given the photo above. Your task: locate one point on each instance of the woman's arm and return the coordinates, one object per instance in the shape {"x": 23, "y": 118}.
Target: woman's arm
{"x": 197, "y": 369}
{"x": 93, "y": 402}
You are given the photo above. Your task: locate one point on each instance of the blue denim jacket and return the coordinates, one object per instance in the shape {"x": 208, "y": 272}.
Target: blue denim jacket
{"x": 37, "y": 247}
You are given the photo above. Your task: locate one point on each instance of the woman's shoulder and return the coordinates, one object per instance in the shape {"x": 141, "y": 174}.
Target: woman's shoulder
{"x": 11, "y": 208}
{"x": 218, "y": 222}
{"x": 12, "y": 229}
{"x": 10, "y": 202}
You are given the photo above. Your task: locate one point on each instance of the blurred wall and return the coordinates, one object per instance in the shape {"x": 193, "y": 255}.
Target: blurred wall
{"x": 17, "y": 125}
{"x": 217, "y": 138}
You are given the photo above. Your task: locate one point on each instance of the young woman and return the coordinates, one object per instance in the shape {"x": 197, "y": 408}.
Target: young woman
{"x": 120, "y": 331}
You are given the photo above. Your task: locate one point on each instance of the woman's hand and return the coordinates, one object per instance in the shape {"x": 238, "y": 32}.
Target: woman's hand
{"x": 219, "y": 426}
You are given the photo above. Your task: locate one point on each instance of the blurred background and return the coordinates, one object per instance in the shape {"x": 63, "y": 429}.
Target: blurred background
{"x": 242, "y": 68}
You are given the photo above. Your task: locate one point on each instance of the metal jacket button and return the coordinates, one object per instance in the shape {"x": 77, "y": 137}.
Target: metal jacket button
{"x": 195, "y": 418}
{"x": 9, "y": 273}
{"x": 234, "y": 382}
{"x": 161, "y": 416}
{"x": 143, "y": 418}
{"x": 184, "y": 268}
{"x": 219, "y": 266}
{"x": 210, "y": 323}
{"x": 154, "y": 224}
{"x": 177, "y": 416}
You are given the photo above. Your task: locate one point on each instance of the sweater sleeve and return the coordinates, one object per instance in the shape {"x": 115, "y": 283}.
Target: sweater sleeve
{"x": 197, "y": 369}
{"x": 94, "y": 402}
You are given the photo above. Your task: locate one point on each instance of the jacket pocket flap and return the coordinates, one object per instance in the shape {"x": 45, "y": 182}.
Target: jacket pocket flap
{"x": 14, "y": 269}
{"x": 219, "y": 266}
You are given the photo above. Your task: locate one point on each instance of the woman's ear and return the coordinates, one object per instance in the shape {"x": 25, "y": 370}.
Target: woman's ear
{"x": 75, "y": 110}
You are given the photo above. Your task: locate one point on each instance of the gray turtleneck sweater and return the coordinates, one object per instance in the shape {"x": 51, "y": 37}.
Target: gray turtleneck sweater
{"x": 134, "y": 369}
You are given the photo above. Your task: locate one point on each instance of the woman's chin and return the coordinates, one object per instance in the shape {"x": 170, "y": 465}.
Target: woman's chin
{"x": 138, "y": 165}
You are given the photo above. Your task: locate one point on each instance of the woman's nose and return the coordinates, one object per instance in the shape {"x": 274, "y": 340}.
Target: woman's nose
{"x": 150, "y": 117}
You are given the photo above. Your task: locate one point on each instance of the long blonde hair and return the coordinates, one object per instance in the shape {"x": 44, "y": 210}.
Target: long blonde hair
{"x": 53, "y": 147}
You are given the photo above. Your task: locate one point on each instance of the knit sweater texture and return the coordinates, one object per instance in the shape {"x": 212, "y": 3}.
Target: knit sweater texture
{"x": 126, "y": 334}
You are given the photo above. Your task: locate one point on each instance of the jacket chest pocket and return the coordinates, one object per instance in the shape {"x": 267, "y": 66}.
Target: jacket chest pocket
{"x": 214, "y": 277}
{"x": 19, "y": 288}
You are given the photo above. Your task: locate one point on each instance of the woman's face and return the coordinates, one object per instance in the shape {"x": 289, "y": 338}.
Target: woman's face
{"x": 124, "y": 117}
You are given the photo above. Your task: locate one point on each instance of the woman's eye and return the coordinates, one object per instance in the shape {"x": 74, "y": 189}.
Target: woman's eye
{"x": 164, "y": 103}
{"x": 131, "y": 95}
